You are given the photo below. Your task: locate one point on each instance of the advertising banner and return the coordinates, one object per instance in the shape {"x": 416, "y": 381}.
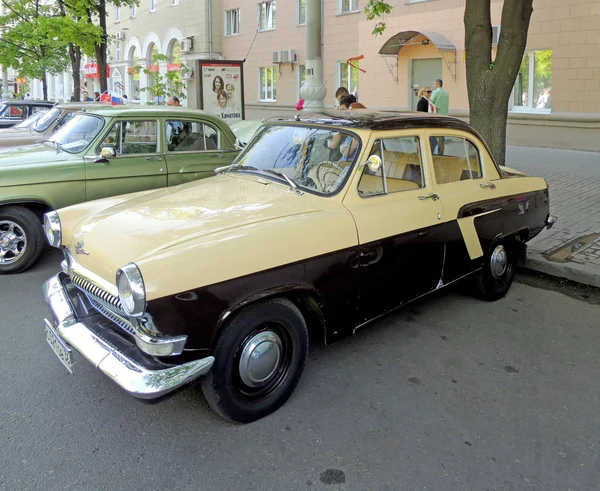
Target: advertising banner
{"x": 222, "y": 90}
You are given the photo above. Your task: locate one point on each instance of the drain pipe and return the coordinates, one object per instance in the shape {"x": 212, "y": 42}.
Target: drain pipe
{"x": 210, "y": 40}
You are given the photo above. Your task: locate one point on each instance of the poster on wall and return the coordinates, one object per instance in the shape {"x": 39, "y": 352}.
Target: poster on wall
{"x": 222, "y": 89}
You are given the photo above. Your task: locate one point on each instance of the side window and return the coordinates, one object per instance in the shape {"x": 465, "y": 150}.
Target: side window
{"x": 133, "y": 137}
{"x": 189, "y": 136}
{"x": 13, "y": 112}
{"x": 401, "y": 170}
{"x": 35, "y": 109}
{"x": 454, "y": 159}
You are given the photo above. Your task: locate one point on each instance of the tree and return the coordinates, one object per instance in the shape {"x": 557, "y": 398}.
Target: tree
{"x": 29, "y": 43}
{"x": 163, "y": 86}
{"x": 489, "y": 81}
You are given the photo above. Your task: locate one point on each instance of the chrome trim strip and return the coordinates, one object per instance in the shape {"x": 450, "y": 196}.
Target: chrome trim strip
{"x": 125, "y": 372}
{"x": 95, "y": 280}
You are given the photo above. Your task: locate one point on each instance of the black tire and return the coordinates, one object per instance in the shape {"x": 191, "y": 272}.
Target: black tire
{"x": 28, "y": 242}
{"x": 490, "y": 284}
{"x": 224, "y": 386}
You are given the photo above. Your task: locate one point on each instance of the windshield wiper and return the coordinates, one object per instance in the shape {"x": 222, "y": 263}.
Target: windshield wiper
{"x": 290, "y": 182}
{"x": 225, "y": 168}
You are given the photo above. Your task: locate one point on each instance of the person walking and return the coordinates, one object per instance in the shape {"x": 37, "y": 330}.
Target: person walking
{"x": 425, "y": 105}
{"x": 440, "y": 97}
{"x": 440, "y": 100}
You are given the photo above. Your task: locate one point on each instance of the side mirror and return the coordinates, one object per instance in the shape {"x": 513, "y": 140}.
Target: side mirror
{"x": 374, "y": 163}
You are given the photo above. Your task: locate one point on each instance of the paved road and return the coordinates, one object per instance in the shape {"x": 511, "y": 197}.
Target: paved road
{"x": 449, "y": 394}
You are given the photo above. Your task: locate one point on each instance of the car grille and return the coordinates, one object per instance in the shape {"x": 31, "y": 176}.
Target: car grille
{"x": 106, "y": 304}
{"x": 96, "y": 291}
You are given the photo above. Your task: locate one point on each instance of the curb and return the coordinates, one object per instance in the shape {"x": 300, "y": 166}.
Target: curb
{"x": 579, "y": 273}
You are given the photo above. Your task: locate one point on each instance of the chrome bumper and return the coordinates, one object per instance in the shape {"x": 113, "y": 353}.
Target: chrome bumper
{"x": 118, "y": 364}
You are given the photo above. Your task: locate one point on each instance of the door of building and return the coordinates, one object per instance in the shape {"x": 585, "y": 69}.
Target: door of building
{"x": 424, "y": 72}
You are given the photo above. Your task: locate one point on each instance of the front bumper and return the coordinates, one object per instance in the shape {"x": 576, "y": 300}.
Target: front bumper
{"x": 91, "y": 334}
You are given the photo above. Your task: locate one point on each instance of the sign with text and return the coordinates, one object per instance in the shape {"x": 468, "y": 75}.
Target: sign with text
{"x": 90, "y": 70}
{"x": 222, "y": 89}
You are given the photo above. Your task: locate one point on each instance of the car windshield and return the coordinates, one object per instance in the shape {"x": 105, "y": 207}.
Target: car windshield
{"x": 47, "y": 118}
{"x": 78, "y": 133}
{"x": 315, "y": 159}
{"x": 30, "y": 121}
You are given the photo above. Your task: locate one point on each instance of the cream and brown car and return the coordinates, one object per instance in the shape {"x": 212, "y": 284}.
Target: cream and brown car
{"x": 325, "y": 223}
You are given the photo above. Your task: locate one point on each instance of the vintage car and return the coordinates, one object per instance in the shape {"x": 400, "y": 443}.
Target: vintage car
{"x": 326, "y": 222}
{"x": 13, "y": 112}
{"x": 44, "y": 124}
{"x": 100, "y": 152}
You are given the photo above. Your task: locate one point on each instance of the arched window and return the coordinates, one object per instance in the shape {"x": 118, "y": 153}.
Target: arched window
{"x": 133, "y": 75}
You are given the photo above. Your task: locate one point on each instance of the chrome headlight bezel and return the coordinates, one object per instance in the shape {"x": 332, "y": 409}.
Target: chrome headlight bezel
{"x": 132, "y": 292}
{"x": 53, "y": 229}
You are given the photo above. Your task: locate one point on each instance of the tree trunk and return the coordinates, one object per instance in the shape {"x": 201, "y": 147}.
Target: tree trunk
{"x": 45, "y": 88}
{"x": 490, "y": 82}
{"x": 75, "y": 56}
{"x": 101, "y": 48}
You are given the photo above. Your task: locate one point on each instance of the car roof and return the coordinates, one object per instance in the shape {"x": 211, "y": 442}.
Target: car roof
{"x": 81, "y": 105}
{"x": 136, "y": 110}
{"x": 369, "y": 119}
{"x": 28, "y": 102}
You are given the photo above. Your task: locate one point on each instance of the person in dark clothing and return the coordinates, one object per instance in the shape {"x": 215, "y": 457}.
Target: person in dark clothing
{"x": 424, "y": 103}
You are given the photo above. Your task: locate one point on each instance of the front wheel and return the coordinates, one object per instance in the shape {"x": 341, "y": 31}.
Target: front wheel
{"x": 496, "y": 277}
{"x": 259, "y": 358}
{"x": 21, "y": 239}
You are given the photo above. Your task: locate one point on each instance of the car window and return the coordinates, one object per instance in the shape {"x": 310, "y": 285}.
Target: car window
{"x": 35, "y": 109}
{"x": 13, "y": 112}
{"x": 30, "y": 121}
{"x": 66, "y": 118}
{"x": 401, "y": 169}
{"x": 78, "y": 133}
{"x": 47, "y": 118}
{"x": 454, "y": 159}
{"x": 318, "y": 160}
{"x": 132, "y": 137}
{"x": 186, "y": 136}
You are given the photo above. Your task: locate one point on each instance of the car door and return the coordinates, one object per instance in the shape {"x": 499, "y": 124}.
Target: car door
{"x": 138, "y": 164}
{"x": 194, "y": 149}
{"x": 399, "y": 221}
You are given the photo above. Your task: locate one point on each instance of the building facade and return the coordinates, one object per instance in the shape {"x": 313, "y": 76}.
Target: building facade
{"x": 555, "y": 101}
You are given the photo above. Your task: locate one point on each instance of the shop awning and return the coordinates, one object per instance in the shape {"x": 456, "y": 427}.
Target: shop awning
{"x": 406, "y": 38}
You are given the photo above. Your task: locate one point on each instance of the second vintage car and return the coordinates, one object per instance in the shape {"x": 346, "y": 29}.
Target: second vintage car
{"x": 13, "y": 112}
{"x": 325, "y": 223}
{"x": 100, "y": 152}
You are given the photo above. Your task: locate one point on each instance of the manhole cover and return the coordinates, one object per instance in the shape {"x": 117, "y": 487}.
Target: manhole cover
{"x": 566, "y": 251}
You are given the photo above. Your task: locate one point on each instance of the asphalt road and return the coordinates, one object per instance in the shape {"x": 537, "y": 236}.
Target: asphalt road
{"x": 449, "y": 394}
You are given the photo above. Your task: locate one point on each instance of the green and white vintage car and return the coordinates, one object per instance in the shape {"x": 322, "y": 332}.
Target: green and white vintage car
{"x": 98, "y": 153}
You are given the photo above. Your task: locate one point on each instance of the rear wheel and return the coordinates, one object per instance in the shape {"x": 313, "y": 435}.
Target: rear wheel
{"x": 259, "y": 358}
{"x": 21, "y": 239}
{"x": 496, "y": 277}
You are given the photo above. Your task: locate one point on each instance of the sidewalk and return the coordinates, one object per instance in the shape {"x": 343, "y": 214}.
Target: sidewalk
{"x": 570, "y": 249}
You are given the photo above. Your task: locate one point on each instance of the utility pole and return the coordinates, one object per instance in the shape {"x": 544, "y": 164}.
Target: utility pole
{"x": 311, "y": 89}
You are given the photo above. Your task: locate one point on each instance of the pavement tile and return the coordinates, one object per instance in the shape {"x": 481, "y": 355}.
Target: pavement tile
{"x": 574, "y": 180}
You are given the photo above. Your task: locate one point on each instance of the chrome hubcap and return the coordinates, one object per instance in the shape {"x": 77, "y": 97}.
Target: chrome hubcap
{"x": 13, "y": 242}
{"x": 260, "y": 359}
{"x": 498, "y": 262}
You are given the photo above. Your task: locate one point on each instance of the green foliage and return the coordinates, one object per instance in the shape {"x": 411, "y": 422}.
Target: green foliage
{"x": 543, "y": 67}
{"x": 163, "y": 86}
{"x": 377, "y": 8}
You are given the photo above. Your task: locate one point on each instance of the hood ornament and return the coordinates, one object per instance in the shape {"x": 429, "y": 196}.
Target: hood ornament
{"x": 79, "y": 248}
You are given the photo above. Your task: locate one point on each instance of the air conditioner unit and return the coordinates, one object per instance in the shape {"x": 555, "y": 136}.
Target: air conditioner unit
{"x": 187, "y": 45}
{"x": 277, "y": 57}
{"x": 289, "y": 56}
{"x": 495, "y": 35}
{"x": 120, "y": 35}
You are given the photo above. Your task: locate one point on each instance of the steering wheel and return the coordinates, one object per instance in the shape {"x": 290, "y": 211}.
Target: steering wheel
{"x": 326, "y": 175}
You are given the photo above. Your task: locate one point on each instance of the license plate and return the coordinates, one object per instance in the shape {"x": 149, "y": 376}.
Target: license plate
{"x": 61, "y": 348}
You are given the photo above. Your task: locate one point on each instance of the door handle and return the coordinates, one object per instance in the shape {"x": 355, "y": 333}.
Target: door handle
{"x": 156, "y": 157}
{"x": 431, "y": 196}
{"x": 489, "y": 185}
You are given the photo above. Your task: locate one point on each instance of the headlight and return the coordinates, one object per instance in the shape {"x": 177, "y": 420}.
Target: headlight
{"x": 52, "y": 229}
{"x": 132, "y": 292}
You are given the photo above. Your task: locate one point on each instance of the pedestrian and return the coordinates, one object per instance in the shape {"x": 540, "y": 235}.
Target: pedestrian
{"x": 440, "y": 97}
{"x": 173, "y": 101}
{"x": 339, "y": 93}
{"x": 441, "y": 101}
{"x": 349, "y": 102}
{"x": 425, "y": 105}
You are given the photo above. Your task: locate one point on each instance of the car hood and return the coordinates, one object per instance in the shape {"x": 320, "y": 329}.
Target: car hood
{"x": 32, "y": 154}
{"x": 146, "y": 225}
